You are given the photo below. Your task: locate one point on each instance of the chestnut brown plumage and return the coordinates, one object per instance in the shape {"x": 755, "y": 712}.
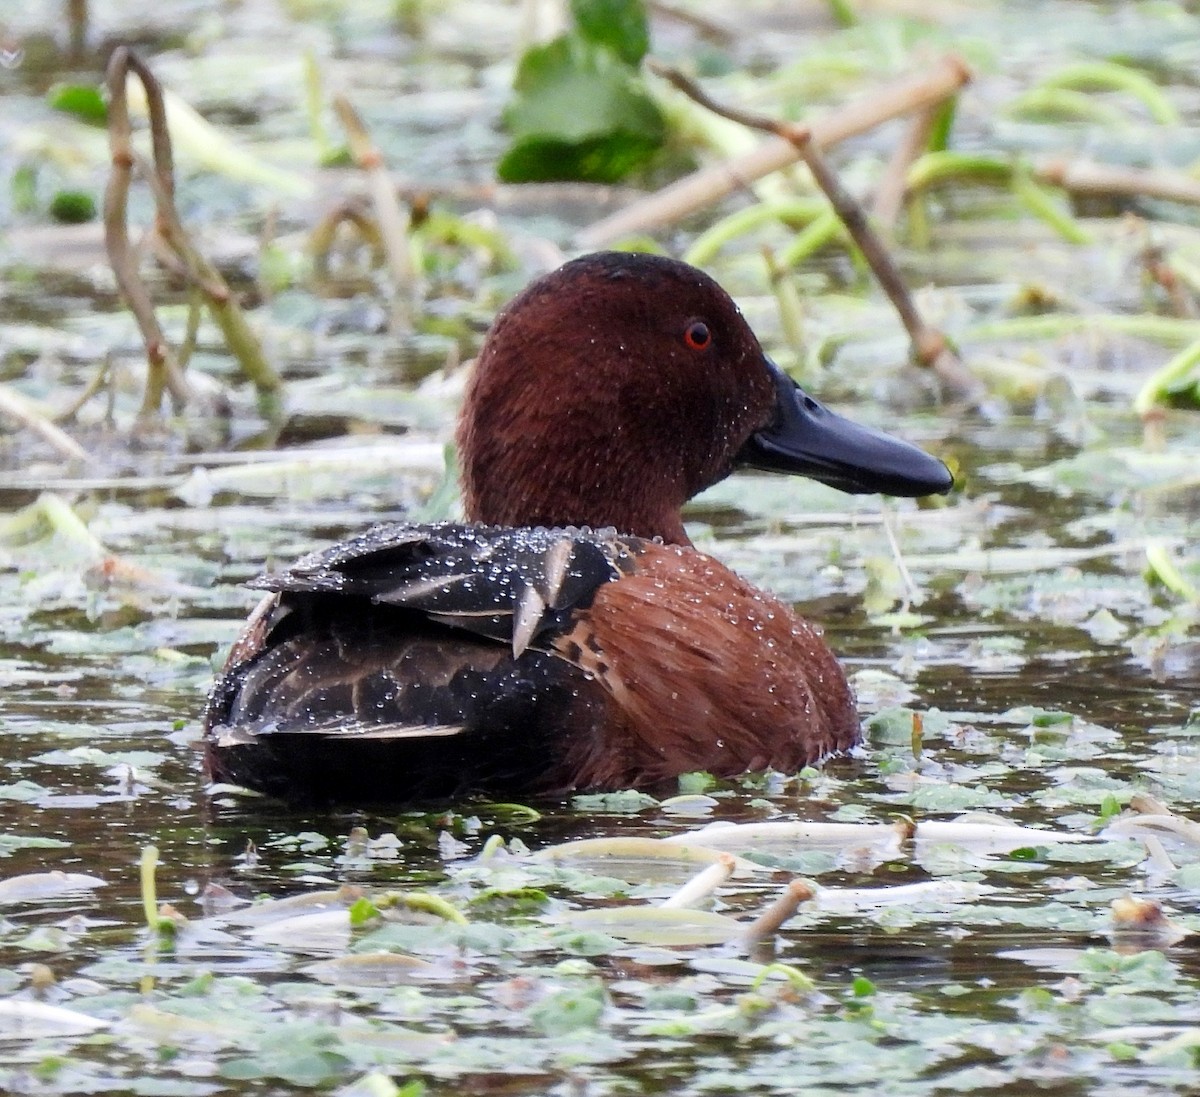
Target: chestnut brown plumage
{"x": 589, "y": 428}
{"x": 681, "y": 618}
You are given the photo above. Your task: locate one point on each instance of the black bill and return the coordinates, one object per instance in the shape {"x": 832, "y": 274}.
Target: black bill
{"x": 807, "y": 439}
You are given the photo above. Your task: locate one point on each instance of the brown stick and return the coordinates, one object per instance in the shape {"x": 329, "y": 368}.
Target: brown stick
{"x": 889, "y": 195}
{"x": 709, "y": 185}
{"x": 163, "y": 370}
{"x": 15, "y": 407}
{"x": 780, "y": 910}
{"x": 350, "y": 212}
{"x": 929, "y": 345}
{"x": 1157, "y": 265}
{"x": 220, "y": 299}
{"x": 1085, "y": 177}
{"x": 711, "y": 29}
{"x": 95, "y": 385}
{"x": 77, "y": 28}
{"x": 393, "y": 225}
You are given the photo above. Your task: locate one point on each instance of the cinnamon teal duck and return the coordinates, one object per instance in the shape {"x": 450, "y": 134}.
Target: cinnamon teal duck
{"x": 567, "y": 635}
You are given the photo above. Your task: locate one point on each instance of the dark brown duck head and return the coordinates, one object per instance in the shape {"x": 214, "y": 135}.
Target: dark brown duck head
{"x": 614, "y": 389}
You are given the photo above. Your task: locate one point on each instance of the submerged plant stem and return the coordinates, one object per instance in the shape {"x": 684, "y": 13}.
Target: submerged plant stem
{"x": 425, "y": 902}
{"x": 147, "y": 866}
{"x": 769, "y": 921}
{"x": 1170, "y": 330}
{"x": 1113, "y": 76}
{"x": 801, "y": 211}
{"x": 793, "y": 975}
{"x": 1167, "y": 572}
{"x": 158, "y": 923}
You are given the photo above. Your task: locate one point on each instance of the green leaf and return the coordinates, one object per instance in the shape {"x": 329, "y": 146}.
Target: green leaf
{"x": 73, "y": 207}
{"x": 23, "y": 792}
{"x": 1025, "y": 853}
{"x": 696, "y": 782}
{"x": 11, "y": 842}
{"x": 363, "y": 911}
{"x": 579, "y": 113}
{"x": 82, "y": 100}
{"x": 627, "y": 802}
{"x": 843, "y": 13}
{"x": 896, "y": 724}
{"x": 604, "y": 160}
{"x": 378, "y": 1084}
{"x": 619, "y": 26}
{"x": 1049, "y": 718}
{"x": 569, "y": 1010}
{"x": 938, "y": 797}
{"x": 496, "y": 903}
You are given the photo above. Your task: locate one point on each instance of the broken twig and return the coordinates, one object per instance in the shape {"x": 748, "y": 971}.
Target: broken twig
{"x": 165, "y": 371}
{"x": 1087, "y": 177}
{"x": 393, "y": 225}
{"x": 767, "y": 924}
{"x": 929, "y": 345}
{"x": 709, "y": 185}
{"x": 889, "y": 195}
{"x": 22, "y": 412}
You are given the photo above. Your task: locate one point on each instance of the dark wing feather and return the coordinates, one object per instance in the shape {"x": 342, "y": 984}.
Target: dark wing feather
{"x": 364, "y": 707}
{"x": 415, "y": 661}
{"x": 510, "y": 585}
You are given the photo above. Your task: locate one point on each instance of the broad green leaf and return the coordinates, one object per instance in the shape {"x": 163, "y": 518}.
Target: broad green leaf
{"x": 73, "y": 207}
{"x": 82, "y": 100}
{"x": 618, "y": 25}
{"x": 579, "y": 113}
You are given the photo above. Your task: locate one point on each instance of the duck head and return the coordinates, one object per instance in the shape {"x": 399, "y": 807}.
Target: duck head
{"x": 615, "y": 388}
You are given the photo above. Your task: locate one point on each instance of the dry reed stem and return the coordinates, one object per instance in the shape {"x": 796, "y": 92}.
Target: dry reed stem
{"x": 95, "y": 385}
{"x": 929, "y": 345}
{"x": 1157, "y": 266}
{"x": 393, "y": 224}
{"x": 714, "y": 30}
{"x": 709, "y": 185}
{"x": 15, "y": 407}
{"x": 769, "y": 921}
{"x": 889, "y": 195}
{"x": 324, "y": 234}
{"x": 165, "y": 371}
{"x": 703, "y": 884}
{"x": 77, "y": 29}
{"x": 1086, "y": 177}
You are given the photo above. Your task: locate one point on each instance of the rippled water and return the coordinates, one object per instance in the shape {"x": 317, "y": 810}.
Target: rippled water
{"x": 103, "y": 690}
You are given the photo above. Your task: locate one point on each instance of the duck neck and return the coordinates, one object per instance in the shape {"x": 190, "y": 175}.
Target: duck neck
{"x": 537, "y": 490}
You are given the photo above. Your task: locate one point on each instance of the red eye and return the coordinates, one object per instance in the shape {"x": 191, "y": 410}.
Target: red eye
{"x": 697, "y": 335}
